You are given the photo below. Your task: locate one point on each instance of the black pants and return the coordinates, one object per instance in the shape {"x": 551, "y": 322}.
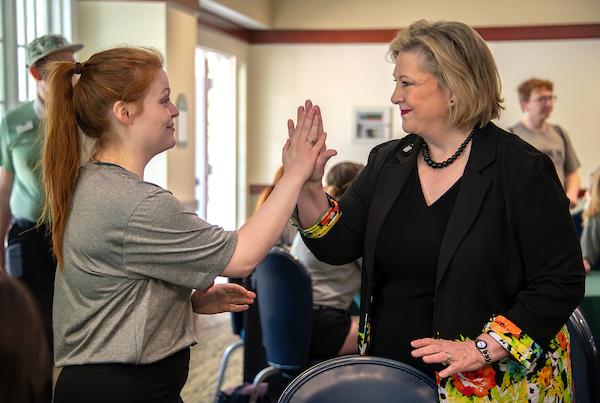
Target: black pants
{"x": 29, "y": 259}
{"x": 330, "y": 327}
{"x": 159, "y": 382}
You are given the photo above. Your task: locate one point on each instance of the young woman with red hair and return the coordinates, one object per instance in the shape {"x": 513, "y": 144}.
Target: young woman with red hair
{"x": 129, "y": 254}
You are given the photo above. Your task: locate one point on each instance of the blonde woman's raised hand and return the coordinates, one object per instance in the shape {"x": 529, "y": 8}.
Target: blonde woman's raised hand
{"x": 301, "y": 148}
{"x": 309, "y": 130}
{"x": 324, "y": 154}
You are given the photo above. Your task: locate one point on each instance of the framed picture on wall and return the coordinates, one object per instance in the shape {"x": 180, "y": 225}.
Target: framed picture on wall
{"x": 371, "y": 124}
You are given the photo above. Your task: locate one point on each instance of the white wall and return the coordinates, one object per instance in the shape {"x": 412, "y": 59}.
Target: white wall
{"x": 341, "y": 77}
{"x": 104, "y": 24}
{"x": 337, "y": 77}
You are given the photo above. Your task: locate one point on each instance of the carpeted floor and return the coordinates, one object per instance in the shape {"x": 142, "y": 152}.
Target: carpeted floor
{"x": 214, "y": 335}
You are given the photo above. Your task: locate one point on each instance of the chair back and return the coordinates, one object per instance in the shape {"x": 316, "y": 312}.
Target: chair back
{"x": 237, "y": 318}
{"x": 585, "y": 359}
{"x": 358, "y": 379}
{"x": 284, "y": 295}
{"x": 578, "y": 221}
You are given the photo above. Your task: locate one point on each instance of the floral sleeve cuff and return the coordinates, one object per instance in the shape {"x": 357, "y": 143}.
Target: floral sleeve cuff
{"x": 511, "y": 337}
{"x": 323, "y": 224}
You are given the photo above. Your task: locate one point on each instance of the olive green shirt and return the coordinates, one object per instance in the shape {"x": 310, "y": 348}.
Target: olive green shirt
{"x": 21, "y": 141}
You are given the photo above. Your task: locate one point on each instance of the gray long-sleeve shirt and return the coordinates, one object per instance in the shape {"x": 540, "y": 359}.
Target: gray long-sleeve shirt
{"x": 132, "y": 254}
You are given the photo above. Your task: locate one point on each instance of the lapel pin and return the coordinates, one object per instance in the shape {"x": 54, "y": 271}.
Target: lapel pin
{"x": 407, "y": 150}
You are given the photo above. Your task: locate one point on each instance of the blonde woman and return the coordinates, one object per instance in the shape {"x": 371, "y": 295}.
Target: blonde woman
{"x": 471, "y": 264}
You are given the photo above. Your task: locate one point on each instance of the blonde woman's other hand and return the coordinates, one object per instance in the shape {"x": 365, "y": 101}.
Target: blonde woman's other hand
{"x": 457, "y": 356}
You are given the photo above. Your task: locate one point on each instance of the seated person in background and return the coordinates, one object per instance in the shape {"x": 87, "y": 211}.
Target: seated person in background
{"x": 334, "y": 331}
{"x": 287, "y": 236}
{"x": 590, "y": 237}
{"x": 26, "y": 368}
{"x": 537, "y": 102}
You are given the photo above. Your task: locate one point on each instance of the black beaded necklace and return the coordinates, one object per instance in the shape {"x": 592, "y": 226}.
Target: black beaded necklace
{"x": 444, "y": 164}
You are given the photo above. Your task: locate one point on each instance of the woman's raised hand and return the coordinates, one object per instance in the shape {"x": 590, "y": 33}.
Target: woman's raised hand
{"x": 305, "y": 152}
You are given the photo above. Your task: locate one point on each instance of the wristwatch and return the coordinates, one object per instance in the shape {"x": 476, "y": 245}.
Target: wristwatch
{"x": 482, "y": 347}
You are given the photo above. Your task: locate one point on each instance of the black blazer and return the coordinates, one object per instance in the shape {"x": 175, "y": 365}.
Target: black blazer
{"x": 509, "y": 247}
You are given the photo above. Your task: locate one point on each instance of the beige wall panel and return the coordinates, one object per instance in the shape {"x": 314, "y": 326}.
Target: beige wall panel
{"x": 342, "y": 77}
{"x": 360, "y": 14}
{"x": 102, "y": 25}
{"x": 181, "y": 44}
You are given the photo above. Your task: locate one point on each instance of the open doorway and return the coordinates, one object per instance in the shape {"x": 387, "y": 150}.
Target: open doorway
{"x": 216, "y": 150}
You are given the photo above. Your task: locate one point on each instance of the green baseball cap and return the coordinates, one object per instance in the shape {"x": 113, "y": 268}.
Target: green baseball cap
{"x": 46, "y": 45}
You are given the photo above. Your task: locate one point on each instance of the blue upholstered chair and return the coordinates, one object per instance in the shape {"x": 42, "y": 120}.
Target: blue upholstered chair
{"x": 284, "y": 295}
{"x": 577, "y": 221}
{"x": 585, "y": 359}
{"x": 356, "y": 379}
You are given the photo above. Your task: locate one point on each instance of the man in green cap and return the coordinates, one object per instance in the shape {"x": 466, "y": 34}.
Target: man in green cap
{"x": 28, "y": 254}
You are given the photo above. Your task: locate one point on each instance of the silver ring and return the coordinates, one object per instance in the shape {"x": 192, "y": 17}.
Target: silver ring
{"x": 448, "y": 359}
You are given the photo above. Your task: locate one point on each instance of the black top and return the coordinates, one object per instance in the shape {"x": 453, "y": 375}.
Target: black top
{"x": 406, "y": 259}
{"x": 509, "y": 247}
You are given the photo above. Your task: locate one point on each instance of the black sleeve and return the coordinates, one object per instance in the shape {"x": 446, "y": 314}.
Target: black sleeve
{"x": 553, "y": 274}
{"x": 344, "y": 243}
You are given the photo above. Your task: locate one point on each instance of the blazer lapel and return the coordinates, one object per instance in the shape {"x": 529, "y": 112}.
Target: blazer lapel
{"x": 390, "y": 182}
{"x": 470, "y": 196}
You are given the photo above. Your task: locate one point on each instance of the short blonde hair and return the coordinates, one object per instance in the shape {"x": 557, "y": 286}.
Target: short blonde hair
{"x": 462, "y": 64}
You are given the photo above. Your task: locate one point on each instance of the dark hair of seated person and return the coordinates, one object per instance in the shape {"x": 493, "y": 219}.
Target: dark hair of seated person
{"x": 24, "y": 368}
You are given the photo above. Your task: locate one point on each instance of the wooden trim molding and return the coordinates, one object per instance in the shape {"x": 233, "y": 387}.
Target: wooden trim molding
{"x": 526, "y": 33}
{"x": 509, "y": 33}
{"x": 322, "y": 36}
